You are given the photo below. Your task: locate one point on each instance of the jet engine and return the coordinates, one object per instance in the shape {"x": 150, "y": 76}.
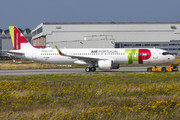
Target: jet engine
{"x": 105, "y": 64}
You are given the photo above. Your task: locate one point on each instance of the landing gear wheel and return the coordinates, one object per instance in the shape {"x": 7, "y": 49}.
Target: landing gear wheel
{"x": 93, "y": 69}
{"x": 88, "y": 69}
{"x": 149, "y": 69}
{"x": 163, "y": 69}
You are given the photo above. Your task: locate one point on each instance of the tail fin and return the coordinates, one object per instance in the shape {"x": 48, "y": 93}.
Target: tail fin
{"x": 18, "y": 40}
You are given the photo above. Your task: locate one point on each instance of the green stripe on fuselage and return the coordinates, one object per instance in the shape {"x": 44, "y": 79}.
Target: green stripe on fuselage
{"x": 132, "y": 55}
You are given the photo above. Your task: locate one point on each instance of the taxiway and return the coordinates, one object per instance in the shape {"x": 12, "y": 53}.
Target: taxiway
{"x": 67, "y": 71}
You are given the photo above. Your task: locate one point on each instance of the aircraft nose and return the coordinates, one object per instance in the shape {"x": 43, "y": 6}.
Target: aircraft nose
{"x": 173, "y": 58}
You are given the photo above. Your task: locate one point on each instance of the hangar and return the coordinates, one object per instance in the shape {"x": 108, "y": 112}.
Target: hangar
{"x": 109, "y": 35}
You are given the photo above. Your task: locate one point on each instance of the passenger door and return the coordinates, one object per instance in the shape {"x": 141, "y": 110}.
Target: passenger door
{"x": 155, "y": 54}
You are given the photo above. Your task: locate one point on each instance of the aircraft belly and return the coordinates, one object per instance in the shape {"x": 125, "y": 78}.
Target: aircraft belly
{"x": 122, "y": 60}
{"x": 61, "y": 60}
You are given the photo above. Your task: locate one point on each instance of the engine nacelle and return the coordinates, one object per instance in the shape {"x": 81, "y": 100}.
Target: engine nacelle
{"x": 115, "y": 66}
{"x": 105, "y": 64}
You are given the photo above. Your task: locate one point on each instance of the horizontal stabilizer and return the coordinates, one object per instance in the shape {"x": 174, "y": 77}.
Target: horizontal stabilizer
{"x": 15, "y": 53}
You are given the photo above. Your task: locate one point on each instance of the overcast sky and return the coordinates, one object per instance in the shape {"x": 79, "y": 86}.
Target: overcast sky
{"x": 30, "y": 13}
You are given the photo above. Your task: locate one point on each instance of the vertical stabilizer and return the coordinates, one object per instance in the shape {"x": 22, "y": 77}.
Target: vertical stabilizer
{"x": 18, "y": 40}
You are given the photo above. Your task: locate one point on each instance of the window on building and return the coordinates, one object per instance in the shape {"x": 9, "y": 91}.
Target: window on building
{"x": 172, "y": 48}
{"x": 127, "y": 44}
{"x": 172, "y": 44}
{"x": 173, "y": 53}
{"x": 164, "y": 48}
{"x": 164, "y": 44}
{"x": 154, "y": 44}
{"x": 39, "y": 30}
{"x": 146, "y": 44}
{"x": 137, "y": 44}
{"x": 117, "y": 45}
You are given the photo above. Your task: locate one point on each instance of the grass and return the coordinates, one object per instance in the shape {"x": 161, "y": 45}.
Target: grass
{"x": 120, "y": 95}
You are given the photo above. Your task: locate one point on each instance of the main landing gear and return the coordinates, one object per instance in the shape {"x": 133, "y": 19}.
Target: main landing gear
{"x": 92, "y": 69}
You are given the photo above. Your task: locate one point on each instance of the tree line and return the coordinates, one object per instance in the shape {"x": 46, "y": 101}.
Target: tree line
{"x": 28, "y": 31}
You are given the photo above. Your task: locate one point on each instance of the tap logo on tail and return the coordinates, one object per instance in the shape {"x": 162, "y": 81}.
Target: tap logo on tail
{"x": 17, "y": 37}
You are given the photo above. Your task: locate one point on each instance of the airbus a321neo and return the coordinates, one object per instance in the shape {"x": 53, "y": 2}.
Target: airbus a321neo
{"x": 104, "y": 59}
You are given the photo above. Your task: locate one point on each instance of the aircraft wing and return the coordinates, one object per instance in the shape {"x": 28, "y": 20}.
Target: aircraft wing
{"x": 80, "y": 57}
{"x": 84, "y": 58}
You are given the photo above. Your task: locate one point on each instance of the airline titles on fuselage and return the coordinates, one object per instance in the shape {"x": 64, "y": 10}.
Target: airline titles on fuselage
{"x": 104, "y": 51}
{"x": 46, "y": 50}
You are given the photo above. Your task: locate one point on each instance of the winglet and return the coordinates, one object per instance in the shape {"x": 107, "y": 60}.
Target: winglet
{"x": 59, "y": 50}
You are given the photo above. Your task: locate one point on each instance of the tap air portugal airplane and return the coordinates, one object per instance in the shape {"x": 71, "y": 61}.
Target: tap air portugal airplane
{"x": 104, "y": 59}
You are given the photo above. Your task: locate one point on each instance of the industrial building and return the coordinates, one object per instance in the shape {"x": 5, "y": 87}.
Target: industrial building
{"x": 109, "y": 35}
{"x": 102, "y": 35}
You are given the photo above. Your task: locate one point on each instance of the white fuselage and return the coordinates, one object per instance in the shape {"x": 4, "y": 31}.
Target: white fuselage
{"x": 118, "y": 56}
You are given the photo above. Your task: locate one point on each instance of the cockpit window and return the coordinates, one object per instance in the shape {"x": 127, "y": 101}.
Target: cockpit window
{"x": 165, "y": 53}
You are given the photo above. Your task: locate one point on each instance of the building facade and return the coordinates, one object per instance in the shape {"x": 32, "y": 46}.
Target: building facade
{"x": 108, "y": 35}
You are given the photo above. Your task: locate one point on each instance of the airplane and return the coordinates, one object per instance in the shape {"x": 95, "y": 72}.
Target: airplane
{"x": 103, "y": 59}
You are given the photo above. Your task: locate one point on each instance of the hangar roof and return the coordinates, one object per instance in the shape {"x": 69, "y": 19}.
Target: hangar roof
{"x": 112, "y": 22}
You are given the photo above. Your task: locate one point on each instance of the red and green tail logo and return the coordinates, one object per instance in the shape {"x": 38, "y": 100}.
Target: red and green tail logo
{"x": 17, "y": 37}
